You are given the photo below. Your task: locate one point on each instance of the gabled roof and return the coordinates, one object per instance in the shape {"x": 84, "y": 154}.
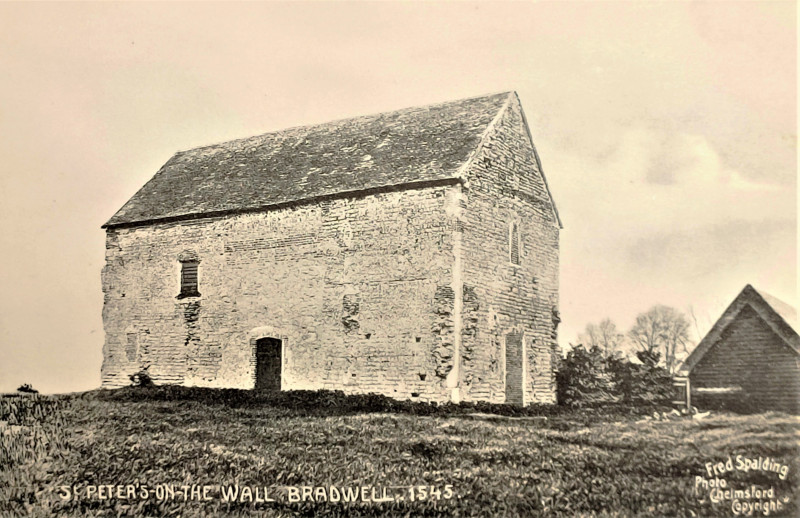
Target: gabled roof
{"x": 414, "y": 146}
{"x": 787, "y": 312}
{"x": 778, "y": 315}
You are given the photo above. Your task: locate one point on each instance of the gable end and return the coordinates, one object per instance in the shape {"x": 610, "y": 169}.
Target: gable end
{"x": 751, "y": 298}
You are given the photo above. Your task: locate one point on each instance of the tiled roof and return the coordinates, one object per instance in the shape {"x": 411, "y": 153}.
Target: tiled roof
{"x": 414, "y": 145}
{"x": 787, "y": 312}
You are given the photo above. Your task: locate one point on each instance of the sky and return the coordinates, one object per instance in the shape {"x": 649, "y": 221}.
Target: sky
{"x": 667, "y": 132}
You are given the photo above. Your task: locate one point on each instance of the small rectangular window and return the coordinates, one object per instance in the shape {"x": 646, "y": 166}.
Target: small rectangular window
{"x": 189, "y": 279}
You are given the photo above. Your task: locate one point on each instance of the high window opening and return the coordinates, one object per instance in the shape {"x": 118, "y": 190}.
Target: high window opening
{"x": 189, "y": 277}
{"x": 513, "y": 239}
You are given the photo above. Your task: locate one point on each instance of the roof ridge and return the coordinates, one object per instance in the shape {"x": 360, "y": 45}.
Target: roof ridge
{"x": 343, "y": 119}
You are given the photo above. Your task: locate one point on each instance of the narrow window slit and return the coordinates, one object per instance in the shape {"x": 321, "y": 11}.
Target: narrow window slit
{"x": 514, "y": 244}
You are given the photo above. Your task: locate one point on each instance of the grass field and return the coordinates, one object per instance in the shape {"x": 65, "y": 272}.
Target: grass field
{"x": 450, "y": 462}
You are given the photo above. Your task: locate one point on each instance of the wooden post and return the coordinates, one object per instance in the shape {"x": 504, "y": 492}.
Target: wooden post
{"x": 688, "y": 395}
{"x": 684, "y": 396}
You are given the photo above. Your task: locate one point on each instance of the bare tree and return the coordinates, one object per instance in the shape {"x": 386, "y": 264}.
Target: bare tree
{"x": 693, "y": 316}
{"x": 663, "y": 330}
{"x": 604, "y": 335}
{"x": 702, "y": 322}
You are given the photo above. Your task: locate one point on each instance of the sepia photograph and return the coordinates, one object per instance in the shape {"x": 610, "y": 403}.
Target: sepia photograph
{"x": 350, "y": 258}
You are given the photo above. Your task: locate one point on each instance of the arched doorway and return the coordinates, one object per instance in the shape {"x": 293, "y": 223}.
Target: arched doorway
{"x": 269, "y": 356}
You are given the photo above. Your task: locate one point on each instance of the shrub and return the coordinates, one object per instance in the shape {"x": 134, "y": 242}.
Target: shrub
{"x": 640, "y": 383}
{"x": 26, "y": 387}
{"x": 583, "y": 380}
{"x": 141, "y": 379}
{"x": 588, "y": 377}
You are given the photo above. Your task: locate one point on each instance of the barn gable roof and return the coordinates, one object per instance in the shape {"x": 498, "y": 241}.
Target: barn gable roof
{"x": 412, "y": 147}
{"x": 778, "y": 315}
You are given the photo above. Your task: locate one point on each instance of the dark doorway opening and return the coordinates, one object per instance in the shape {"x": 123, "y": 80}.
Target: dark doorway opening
{"x": 514, "y": 371}
{"x": 268, "y": 364}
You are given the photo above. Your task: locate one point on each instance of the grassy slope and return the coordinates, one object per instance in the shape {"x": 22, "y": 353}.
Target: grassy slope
{"x": 508, "y": 466}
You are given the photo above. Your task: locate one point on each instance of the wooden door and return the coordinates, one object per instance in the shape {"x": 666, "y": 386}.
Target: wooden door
{"x": 268, "y": 364}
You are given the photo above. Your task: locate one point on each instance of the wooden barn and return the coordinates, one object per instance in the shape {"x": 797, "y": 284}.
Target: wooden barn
{"x": 750, "y": 358}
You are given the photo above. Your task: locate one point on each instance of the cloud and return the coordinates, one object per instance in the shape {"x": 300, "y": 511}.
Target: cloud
{"x": 691, "y": 161}
{"x": 655, "y": 181}
{"x": 739, "y": 182}
{"x": 684, "y": 159}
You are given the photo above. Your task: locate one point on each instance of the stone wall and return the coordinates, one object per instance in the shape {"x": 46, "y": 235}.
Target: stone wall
{"x": 499, "y": 298}
{"x": 360, "y": 290}
{"x": 750, "y": 355}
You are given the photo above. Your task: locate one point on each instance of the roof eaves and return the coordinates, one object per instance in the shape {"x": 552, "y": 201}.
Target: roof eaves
{"x": 406, "y": 186}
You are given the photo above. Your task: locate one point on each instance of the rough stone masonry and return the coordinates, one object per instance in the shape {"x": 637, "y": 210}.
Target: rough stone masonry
{"x": 411, "y": 253}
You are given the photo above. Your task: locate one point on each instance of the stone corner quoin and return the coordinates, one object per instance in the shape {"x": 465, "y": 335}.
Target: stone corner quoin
{"x": 433, "y": 288}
